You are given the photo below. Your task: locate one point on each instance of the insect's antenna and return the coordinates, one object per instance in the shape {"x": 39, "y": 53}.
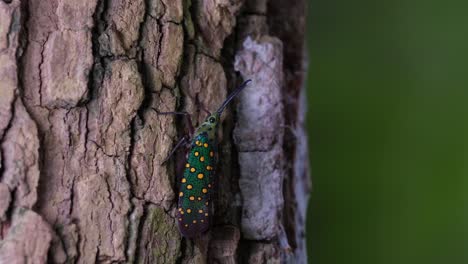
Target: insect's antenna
{"x": 232, "y": 95}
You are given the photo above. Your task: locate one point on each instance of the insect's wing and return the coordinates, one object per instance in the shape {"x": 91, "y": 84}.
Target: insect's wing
{"x": 194, "y": 214}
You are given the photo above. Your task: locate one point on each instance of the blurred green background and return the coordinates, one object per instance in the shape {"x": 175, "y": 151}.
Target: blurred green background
{"x": 388, "y": 125}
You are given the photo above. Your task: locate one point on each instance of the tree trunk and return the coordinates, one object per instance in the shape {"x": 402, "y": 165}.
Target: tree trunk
{"x": 81, "y": 179}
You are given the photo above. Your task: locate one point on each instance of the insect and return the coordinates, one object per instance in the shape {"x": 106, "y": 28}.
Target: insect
{"x": 196, "y": 185}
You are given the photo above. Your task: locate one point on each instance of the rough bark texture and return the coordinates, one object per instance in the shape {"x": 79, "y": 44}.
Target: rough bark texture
{"x": 81, "y": 179}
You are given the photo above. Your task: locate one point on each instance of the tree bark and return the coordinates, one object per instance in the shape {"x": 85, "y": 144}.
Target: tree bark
{"x": 81, "y": 178}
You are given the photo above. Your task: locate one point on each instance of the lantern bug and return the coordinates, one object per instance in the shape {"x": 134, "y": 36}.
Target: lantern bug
{"x": 196, "y": 184}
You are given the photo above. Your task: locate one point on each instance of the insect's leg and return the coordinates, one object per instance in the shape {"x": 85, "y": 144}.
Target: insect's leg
{"x": 187, "y": 118}
{"x": 183, "y": 140}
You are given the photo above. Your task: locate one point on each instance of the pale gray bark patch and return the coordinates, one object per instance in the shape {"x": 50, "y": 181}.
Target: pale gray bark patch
{"x": 259, "y": 136}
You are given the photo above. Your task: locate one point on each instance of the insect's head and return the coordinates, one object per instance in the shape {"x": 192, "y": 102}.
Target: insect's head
{"x": 211, "y": 123}
{"x": 212, "y": 120}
